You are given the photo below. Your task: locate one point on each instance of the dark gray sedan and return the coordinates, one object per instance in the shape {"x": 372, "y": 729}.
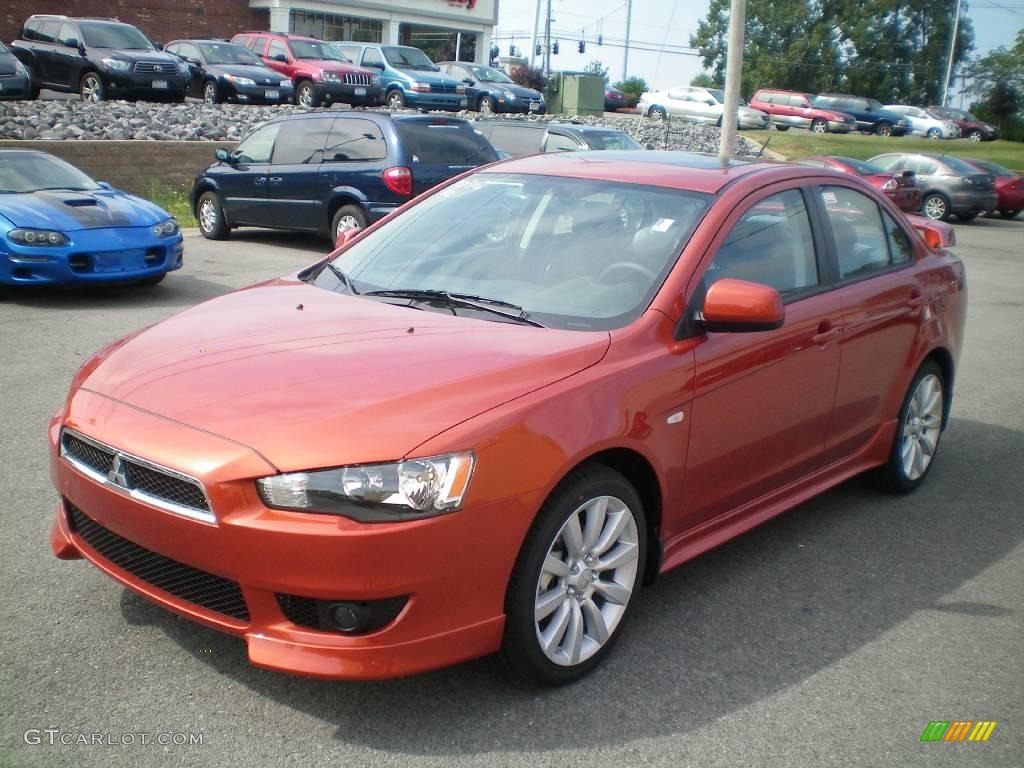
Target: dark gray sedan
{"x": 15, "y": 81}
{"x": 514, "y": 138}
{"x": 949, "y": 186}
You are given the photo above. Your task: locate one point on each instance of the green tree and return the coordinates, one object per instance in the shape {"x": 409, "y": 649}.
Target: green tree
{"x": 595, "y": 67}
{"x": 633, "y": 88}
{"x": 704, "y": 80}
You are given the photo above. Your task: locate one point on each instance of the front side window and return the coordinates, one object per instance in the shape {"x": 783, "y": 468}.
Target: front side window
{"x": 861, "y": 241}
{"x": 558, "y": 143}
{"x": 490, "y": 75}
{"x": 277, "y": 51}
{"x": 559, "y": 248}
{"x": 610, "y": 140}
{"x": 517, "y": 140}
{"x": 301, "y": 142}
{"x": 372, "y": 58}
{"x": 258, "y": 146}
{"x": 68, "y": 36}
{"x": 771, "y": 245}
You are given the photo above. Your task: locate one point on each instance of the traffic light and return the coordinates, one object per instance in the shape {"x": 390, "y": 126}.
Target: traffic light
{"x": 511, "y": 50}
{"x": 600, "y": 39}
{"x": 581, "y": 46}
{"x": 538, "y": 49}
{"x": 554, "y": 48}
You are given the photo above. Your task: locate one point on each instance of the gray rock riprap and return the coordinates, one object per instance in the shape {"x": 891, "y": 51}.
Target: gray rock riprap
{"x": 192, "y": 121}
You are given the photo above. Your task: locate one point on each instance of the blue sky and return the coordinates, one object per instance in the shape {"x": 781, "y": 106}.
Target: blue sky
{"x": 668, "y": 23}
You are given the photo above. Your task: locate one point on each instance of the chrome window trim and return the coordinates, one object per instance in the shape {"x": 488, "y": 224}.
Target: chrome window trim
{"x": 201, "y": 515}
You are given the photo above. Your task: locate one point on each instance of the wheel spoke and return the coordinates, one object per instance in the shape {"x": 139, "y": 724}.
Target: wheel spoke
{"x": 548, "y": 602}
{"x": 551, "y": 638}
{"x": 612, "y": 530}
{"x": 596, "y": 514}
{"x": 596, "y": 627}
{"x": 574, "y": 633}
{"x": 625, "y": 552}
{"x": 573, "y": 537}
{"x": 927, "y": 444}
{"x": 612, "y": 592}
{"x": 920, "y": 461}
{"x": 555, "y": 567}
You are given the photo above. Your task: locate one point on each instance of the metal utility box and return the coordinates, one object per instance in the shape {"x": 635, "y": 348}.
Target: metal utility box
{"x": 579, "y": 95}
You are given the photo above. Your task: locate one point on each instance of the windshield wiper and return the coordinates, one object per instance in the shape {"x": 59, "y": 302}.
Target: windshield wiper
{"x": 341, "y": 276}
{"x": 467, "y": 300}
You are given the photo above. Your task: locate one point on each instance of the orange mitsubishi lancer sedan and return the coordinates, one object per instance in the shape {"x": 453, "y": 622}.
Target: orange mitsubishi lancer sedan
{"x": 483, "y": 423}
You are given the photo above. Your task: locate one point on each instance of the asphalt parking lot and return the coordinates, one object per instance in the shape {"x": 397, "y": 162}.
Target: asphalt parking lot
{"x": 829, "y": 636}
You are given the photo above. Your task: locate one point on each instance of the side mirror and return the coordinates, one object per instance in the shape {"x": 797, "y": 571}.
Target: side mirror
{"x": 469, "y": 81}
{"x": 192, "y": 61}
{"x": 158, "y": 46}
{"x": 936, "y": 234}
{"x": 280, "y": 57}
{"x": 71, "y": 43}
{"x": 223, "y": 155}
{"x": 737, "y": 306}
{"x": 375, "y": 65}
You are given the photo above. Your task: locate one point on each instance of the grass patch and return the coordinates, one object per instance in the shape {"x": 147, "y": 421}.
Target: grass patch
{"x": 175, "y": 202}
{"x": 796, "y": 144}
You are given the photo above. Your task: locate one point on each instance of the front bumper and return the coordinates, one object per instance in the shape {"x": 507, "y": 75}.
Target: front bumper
{"x": 15, "y": 87}
{"x": 432, "y": 100}
{"x": 455, "y": 605}
{"x": 110, "y": 255}
{"x": 144, "y": 85}
{"x": 755, "y": 123}
{"x": 258, "y": 94}
{"x": 522, "y": 106}
{"x": 326, "y": 90}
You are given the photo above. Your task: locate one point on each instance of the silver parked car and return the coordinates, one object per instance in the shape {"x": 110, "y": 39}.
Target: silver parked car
{"x": 949, "y": 186}
{"x": 925, "y": 123}
{"x": 703, "y": 105}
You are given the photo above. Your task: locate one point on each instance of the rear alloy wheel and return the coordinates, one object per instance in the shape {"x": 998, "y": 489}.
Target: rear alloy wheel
{"x": 486, "y": 105}
{"x": 91, "y": 87}
{"x": 210, "y": 93}
{"x": 305, "y": 95}
{"x": 657, "y": 113}
{"x": 574, "y": 580}
{"x": 974, "y": 136}
{"x": 396, "y": 100}
{"x": 819, "y": 126}
{"x": 934, "y": 133}
{"x": 935, "y": 206}
{"x": 918, "y": 432}
{"x": 1010, "y": 214}
{"x": 883, "y": 129}
{"x": 348, "y": 217}
{"x": 210, "y": 216}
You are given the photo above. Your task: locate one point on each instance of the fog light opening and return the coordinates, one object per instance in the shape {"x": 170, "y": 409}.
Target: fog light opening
{"x": 78, "y": 261}
{"x": 346, "y": 617}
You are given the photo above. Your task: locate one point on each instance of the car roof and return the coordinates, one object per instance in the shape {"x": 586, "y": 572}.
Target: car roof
{"x": 675, "y": 170}
{"x": 373, "y": 116}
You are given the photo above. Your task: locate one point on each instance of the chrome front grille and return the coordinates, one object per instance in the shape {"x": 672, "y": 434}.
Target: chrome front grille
{"x": 355, "y": 78}
{"x": 155, "y": 67}
{"x": 150, "y": 483}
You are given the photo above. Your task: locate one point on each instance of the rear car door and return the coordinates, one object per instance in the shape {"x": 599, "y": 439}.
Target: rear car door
{"x": 65, "y": 60}
{"x": 44, "y": 45}
{"x": 243, "y": 183}
{"x": 439, "y": 148}
{"x": 883, "y": 305}
{"x": 763, "y": 400}
{"x": 680, "y": 102}
{"x": 295, "y": 197}
{"x": 353, "y": 158}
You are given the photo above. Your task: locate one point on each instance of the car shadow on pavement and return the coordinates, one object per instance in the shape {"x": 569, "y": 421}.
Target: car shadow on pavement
{"x": 741, "y": 623}
{"x": 178, "y": 290}
{"x": 298, "y": 241}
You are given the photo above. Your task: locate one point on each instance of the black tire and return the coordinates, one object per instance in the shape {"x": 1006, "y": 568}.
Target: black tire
{"x": 883, "y": 129}
{"x": 152, "y": 280}
{"x": 305, "y": 94}
{"x": 91, "y": 87}
{"x": 1010, "y": 214}
{"x": 211, "y": 93}
{"x": 892, "y": 477}
{"x": 781, "y": 127}
{"x": 351, "y": 212}
{"x": 520, "y": 646}
{"x": 819, "y": 126}
{"x": 965, "y": 217}
{"x": 213, "y": 227}
{"x": 974, "y": 136}
{"x": 934, "y": 133}
{"x": 939, "y": 208}
{"x": 656, "y": 112}
{"x": 485, "y": 105}
{"x": 395, "y": 99}
{"x": 719, "y": 122}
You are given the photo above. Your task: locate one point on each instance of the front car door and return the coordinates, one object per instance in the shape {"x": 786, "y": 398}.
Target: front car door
{"x": 278, "y": 58}
{"x": 295, "y": 198}
{"x": 243, "y": 183}
{"x": 556, "y": 141}
{"x": 763, "y": 400}
{"x": 680, "y": 103}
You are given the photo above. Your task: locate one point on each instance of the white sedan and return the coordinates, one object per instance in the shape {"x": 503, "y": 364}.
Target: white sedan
{"x": 703, "y": 105}
{"x": 925, "y": 123}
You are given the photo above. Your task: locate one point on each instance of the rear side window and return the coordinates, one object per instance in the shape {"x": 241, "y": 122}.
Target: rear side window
{"x": 771, "y": 245}
{"x": 443, "y": 143}
{"x": 301, "y": 142}
{"x": 31, "y": 31}
{"x": 353, "y": 139}
{"x": 48, "y": 32}
{"x": 517, "y": 141}
{"x": 258, "y": 45}
{"x": 862, "y": 244}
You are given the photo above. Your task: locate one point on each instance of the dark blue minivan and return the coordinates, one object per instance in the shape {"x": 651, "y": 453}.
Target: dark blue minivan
{"x": 328, "y": 172}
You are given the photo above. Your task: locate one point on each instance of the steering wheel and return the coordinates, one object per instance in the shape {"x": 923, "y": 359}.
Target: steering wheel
{"x": 627, "y": 266}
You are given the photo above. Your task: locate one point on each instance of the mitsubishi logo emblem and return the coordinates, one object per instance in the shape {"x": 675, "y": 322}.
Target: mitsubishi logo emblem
{"x": 118, "y": 475}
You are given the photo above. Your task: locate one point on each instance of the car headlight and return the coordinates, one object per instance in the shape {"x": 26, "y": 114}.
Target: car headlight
{"x": 284, "y": 83}
{"x": 375, "y": 493}
{"x": 38, "y": 237}
{"x": 422, "y": 87}
{"x": 330, "y": 77}
{"x": 166, "y": 228}
{"x": 240, "y": 80}
{"x": 19, "y": 68}
{"x": 509, "y": 95}
{"x": 183, "y": 68}
{"x": 118, "y": 65}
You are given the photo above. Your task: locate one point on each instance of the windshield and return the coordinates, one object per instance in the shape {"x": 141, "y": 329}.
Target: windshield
{"x": 312, "y": 49}
{"x": 3, "y": 48}
{"x": 860, "y": 166}
{"x": 120, "y": 36}
{"x": 31, "y": 172}
{"x": 490, "y": 75}
{"x": 610, "y": 140}
{"x": 717, "y": 94}
{"x": 575, "y": 254}
{"x": 226, "y": 53}
{"x": 994, "y": 168}
{"x": 407, "y": 58}
{"x": 957, "y": 165}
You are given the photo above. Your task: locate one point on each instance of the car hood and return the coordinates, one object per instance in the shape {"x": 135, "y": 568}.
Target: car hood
{"x": 519, "y": 90}
{"x": 134, "y": 55}
{"x": 309, "y": 378}
{"x": 428, "y": 76}
{"x": 7, "y": 63}
{"x": 340, "y": 67}
{"x": 259, "y": 75}
{"x": 69, "y": 211}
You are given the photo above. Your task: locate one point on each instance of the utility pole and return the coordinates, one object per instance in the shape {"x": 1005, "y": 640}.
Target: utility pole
{"x": 733, "y": 79}
{"x": 547, "y": 41}
{"x": 952, "y": 49}
{"x": 625, "y": 56}
{"x": 533, "y": 40}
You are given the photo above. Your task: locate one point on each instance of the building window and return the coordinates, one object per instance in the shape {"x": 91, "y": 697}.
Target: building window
{"x": 439, "y": 44}
{"x": 326, "y": 26}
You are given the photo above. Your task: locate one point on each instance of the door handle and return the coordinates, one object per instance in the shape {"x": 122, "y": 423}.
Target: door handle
{"x": 276, "y": 179}
{"x": 260, "y": 180}
{"x": 826, "y": 332}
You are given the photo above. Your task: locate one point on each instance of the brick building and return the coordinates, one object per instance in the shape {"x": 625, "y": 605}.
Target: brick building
{"x": 437, "y": 26}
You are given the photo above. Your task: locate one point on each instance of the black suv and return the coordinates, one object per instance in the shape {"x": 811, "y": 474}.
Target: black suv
{"x": 328, "y": 171}
{"x": 98, "y": 58}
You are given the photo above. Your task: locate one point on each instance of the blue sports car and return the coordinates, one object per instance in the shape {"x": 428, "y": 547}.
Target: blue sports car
{"x": 59, "y": 227}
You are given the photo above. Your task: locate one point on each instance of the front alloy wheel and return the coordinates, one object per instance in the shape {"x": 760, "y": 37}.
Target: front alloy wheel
{"x": 486, "y": 105}
{"x": 819, "y": 126}
{"x": 305, "y": 96}
{"x": 210, "y": 216}
{"x": 210, "y": 95}
{"x": 935, "y": 207}
{"x": 395, "y": 100}
{"x": 91, "y": 87}
{"x": 974, "y": 136}
{"x": 575, "y": 577}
